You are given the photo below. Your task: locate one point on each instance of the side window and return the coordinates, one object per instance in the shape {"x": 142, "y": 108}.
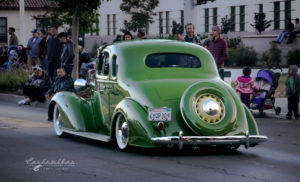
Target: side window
{"x": 114, "y": 66}
{"x": 106, "y": 64}
{"x": 100, "y": 63}
{"x": 103, "y": 64}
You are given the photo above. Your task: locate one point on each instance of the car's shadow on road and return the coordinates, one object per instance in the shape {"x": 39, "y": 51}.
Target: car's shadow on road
{"x": 163, "y": 151}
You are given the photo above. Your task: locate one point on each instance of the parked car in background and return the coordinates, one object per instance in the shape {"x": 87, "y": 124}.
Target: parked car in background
{"x": 152, "y": 93}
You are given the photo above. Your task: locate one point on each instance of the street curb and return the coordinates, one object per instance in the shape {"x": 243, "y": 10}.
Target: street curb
{"x": 15, "y": 98}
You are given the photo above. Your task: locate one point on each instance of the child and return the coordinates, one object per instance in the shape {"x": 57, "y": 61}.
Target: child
{"x": 292, "y": 88}
{"x": 244, "y": 85}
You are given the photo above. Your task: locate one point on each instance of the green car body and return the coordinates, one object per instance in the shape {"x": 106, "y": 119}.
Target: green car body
{"x": 128, "y": 88}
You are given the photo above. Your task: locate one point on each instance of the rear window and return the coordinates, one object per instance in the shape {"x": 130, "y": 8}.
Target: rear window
{"x": 164, "y": 60}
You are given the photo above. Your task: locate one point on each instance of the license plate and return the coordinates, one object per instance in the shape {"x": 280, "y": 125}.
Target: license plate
{"x": 159, "y": 114}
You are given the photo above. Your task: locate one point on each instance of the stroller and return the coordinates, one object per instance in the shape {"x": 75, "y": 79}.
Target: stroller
{"x": 263, "y": 96}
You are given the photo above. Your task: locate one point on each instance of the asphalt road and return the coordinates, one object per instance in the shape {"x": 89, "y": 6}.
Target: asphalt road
{"x": 29, "y": 151}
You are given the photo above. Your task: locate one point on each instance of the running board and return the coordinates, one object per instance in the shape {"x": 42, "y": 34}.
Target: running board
{"x": 90, "y": 135}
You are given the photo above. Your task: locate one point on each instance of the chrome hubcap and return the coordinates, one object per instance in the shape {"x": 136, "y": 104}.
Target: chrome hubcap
{"x": 209, "y": 108}
{"x": 122, "y": 132}
{"x": 57, "y": 122}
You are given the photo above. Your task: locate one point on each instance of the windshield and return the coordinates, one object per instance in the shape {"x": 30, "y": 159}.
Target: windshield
{"x": 163, "y": 60}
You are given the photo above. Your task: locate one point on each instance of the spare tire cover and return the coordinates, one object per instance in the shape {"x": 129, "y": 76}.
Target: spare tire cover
{"x": 208, "y": 108}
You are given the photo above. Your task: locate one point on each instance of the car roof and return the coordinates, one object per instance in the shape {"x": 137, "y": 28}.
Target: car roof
{"x": 132, "y": 55}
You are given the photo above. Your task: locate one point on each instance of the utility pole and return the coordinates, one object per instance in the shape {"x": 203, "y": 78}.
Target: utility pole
{"x": 22, "y": 23}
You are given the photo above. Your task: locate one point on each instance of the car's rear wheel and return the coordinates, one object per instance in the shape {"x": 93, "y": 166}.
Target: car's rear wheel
{"x": 57, "y": 123}
{"x": 122, "y": 132}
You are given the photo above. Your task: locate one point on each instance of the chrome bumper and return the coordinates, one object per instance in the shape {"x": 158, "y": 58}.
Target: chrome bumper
{"x": 247, "y": 140}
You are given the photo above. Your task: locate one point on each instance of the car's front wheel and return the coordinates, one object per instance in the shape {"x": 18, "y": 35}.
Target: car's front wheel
{"x": 57, "y": 123}
{"x": 122, "y": 132}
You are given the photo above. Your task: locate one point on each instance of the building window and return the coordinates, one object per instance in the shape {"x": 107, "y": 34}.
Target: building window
{"x": 114, "y": 24}
{"x": 160, "y": 20}
{"x": 206, "y": 19}
{"x": 232, "y": 17}
{"x": 261, "y": 8}
{"x": 242, "y": 18}
{"x": 277, "y": 15}
{"x": 42, "y": 23}
{"x": 108, "y": 24}
{"x": 167, "y": 22}
{"x": 182, "y": 17}
{"x": 3, "y": 30}
{"x": 287, "y": 9}
{"x": 215, "y": 16}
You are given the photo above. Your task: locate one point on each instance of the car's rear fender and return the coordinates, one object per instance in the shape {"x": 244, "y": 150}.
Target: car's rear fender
{"x": 140, "y": 129}
{"x": 76, "y": 113}
{"x": 252, "y": 126}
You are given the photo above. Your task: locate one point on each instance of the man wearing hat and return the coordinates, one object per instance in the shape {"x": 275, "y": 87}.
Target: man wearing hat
{"x": 218, "y": 48}
{"x": 36, "y": 87}
{"x": 67, "y": 53}
{"x": 33, "y": 49}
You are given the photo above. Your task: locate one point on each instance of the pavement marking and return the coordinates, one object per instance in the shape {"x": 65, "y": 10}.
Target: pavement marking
{"x": 6, "y": 122}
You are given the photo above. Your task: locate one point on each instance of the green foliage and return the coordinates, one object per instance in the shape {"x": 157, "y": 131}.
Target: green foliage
{"x": 293, "y": 57}
{"x": 62, "y": 12}
{"x": 272, "y": 56}
{"x": 234, "y": 42}
{"x": 242, "y": 56}
{"x": 141, "y": 12}
{"x": 226, "y": 24}
{"x": 260, "y": 22}
{"x": 12, "y": 81}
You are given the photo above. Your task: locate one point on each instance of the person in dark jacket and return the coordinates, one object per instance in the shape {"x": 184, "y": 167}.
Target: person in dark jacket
{"x": 292, "y": 89}
{"x": 218, "y": 48}
{"x": 42, "y": 52}
{"x": 22, "y": 54}
{"x": 13, "y": 39}
{"x": 36, "y": 87}
{"x": 52, "y": 51}
{"x": 63, "y": 82}
{"x": 84, "y": 56}
{"x": 289, "y": 27}
{"x": 67, "y": 53}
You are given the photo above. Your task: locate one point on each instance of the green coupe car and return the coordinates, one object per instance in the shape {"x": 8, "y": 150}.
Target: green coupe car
{"x": 154, "y": 93}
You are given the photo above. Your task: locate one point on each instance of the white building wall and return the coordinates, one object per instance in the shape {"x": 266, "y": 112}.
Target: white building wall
{"x": 195, "y": 13}
{"x": 13, "y": 20}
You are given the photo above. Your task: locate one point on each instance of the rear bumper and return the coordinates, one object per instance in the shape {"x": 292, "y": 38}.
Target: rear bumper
{"x": 246, "y": 140}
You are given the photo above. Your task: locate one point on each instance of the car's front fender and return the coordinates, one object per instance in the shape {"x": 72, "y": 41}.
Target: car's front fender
{"x": 76, "y": 113}
{"x": 140, "y": 129}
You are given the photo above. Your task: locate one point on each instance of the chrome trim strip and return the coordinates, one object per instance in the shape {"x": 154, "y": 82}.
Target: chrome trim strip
{"x": 90, "y": 135}
{"x": 247, "y": 140}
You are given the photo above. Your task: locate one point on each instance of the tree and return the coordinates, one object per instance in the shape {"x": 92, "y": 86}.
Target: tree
{"x": 260, "y": 22}
{"x": 272, "y": 56}
{"x": 141, "y": 12}
{"x": 226, "y": 24}
{"x": 293, "y": 57}
{"x": 75, "y": 13}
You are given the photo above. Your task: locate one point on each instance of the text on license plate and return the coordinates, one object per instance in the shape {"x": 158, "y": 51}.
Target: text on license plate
{"x": 159, "y": 114}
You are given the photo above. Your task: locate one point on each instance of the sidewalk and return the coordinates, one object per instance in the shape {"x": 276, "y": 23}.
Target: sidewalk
{"x": 15, "y": 98}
